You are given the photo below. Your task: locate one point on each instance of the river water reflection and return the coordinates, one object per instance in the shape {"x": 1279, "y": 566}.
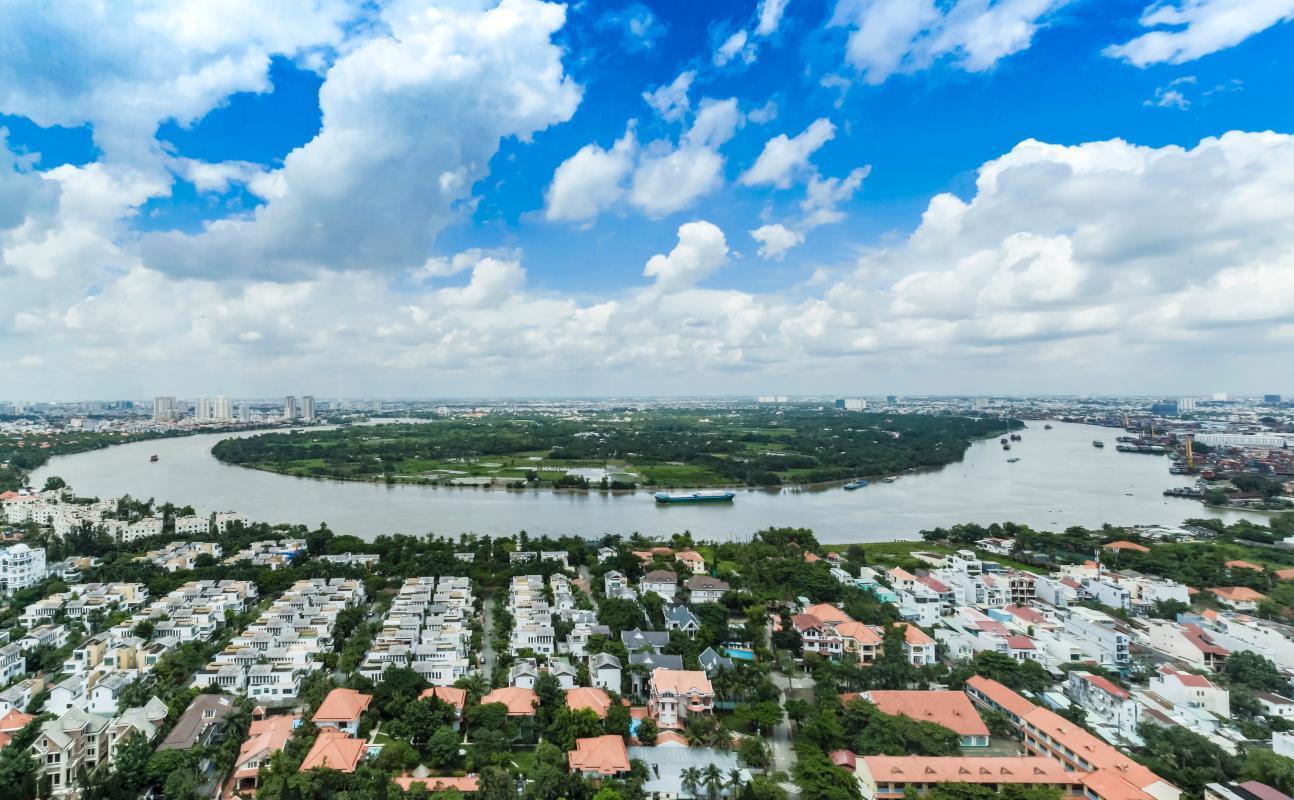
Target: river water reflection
{"x": 1059, "y": 481}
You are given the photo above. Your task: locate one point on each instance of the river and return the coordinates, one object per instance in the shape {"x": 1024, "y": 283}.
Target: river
{"x": 1060, "y": 480}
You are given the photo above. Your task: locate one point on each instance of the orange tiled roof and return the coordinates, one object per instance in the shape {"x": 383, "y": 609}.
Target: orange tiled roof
{"x": 952, "y": 710}
{"x": 914, "y": 635}
{"x": 605, "y": 755}
{"x": 681, "y": 681}
{"x": 1285, "y": 574}
{"x": 342, "y": 705}
{"x": 859, "y": 632}
{"x": 967, "y": 769}
{"x": 464, "y": 783}
{"x": 264, "y": 737}
{"x": 334, "y": 750}
{"x": 1244, "y": 565}
{"x": 582, "y": 697}
{"x": 520, "y": 702}
{"x": 15, "y": 720}
{"x": 826, "y": 612}
{"x": 1123, "y": 544}
{"x": 1000, "y": 694}
{"x": 1238, "y": 594}
{"x": 446, "y": 694}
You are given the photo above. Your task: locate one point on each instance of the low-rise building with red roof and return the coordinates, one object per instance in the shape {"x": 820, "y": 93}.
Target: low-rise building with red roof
{"x": 265, "y": 737}
{"x": 342, "y": 709}
{"x": 1241, "y": 598}
{"x": 1123, "y": 544}
{"x": 467, "y": 784}
{"x": 520, "y": 702}
{"x": 599, "y": 757}
{"x": 952, "y": 710}
{"x": 891, "y": 777}
{"x": 334, "y": 750}
{"x": 593, "y": 699}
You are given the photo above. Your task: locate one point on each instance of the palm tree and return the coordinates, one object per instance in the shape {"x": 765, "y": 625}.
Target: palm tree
{"x": 691, "y": 780}
{"x": 735, "y": 781}
{"x": 713, "y": 778}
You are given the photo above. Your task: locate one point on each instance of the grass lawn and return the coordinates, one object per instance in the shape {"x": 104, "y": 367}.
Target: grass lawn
{"x": 525, "y": 760}
{"x": 681, "y": 475}
{"x": 890, "y": 553}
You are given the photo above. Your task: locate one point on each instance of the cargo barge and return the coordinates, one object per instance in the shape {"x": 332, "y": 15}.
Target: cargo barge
{"x": 695, "y": 497}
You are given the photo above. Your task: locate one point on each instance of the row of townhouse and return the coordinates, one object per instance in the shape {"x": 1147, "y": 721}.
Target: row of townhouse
{"x": 532, "y": 617}
{"x": 100, "y": 668}
{"x": 84, "y": 601}
{"x": 269, "y": 658}
{"x": 274, "y": 553}
{"x": 427, "y": 629}
{"x": 180, "y": 556}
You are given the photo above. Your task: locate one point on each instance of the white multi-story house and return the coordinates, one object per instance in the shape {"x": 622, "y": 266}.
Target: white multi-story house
{"x": 604, "y": 671}
{"x": 1191, "y": 690}
{"x": 660, "y": 582}
{"x": 12, "y": 662}
{"x": 1105, "y": 701}
{"x": 616, "y": 586}
{"x": 1102, "y": 638}
{"x": 21, "y": 566}
{"x": 1189, "y": 642}
{"x": 704, "y": 589}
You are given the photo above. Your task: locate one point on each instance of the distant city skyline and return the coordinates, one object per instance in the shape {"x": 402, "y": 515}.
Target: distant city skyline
{"x": 645, "y": 198}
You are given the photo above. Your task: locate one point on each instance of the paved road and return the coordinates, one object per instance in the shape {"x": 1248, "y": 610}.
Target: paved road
{"x": 780, "y": 741}
{"x": 487, "y": 640}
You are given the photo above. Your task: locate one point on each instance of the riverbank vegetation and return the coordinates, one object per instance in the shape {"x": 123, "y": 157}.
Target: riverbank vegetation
{"x": 623, "y": 450}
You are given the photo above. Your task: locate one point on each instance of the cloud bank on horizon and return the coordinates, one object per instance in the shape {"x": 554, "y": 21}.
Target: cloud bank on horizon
{"x": 521, "y": 197}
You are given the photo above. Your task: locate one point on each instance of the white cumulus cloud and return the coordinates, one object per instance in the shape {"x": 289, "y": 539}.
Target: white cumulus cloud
{"x": 700, "y": 251}
{"x": 590, "y": 181}
{"x": 906, "y": 36}
{"x": 783, "y": 157}
{"x": 1191, "y": 29}
{"x": 775, "y": 240}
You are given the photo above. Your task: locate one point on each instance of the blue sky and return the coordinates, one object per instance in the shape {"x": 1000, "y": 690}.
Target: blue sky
{"x": 257, "y": 168}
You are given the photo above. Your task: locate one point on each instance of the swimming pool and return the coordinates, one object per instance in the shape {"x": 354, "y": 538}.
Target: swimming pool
{"x": 740, "y": 653}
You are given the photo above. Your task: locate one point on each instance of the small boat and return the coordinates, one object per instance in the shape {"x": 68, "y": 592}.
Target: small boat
{"x": 1006, "y": 447}
{"x": 153, "y": 457}
{"x": 1012, "y": 460}
{"x": 1046, "y": 427}
{"x": 666, "y": 498}
{"x": 1002, "y": 440}
{"x": 1098, "y": 443}
{"x": 1015, "y": 437}
{"x": 890, "y": 479}
{"x": 856, "y": 484}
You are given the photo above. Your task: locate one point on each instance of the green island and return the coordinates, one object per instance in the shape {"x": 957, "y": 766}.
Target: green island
{"x": 673, "y": 448}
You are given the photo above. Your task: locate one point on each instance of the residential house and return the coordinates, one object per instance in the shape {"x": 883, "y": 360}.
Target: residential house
{"x": 704, "y": 589}
{"x": 680, "y": 618}
{"x": 599, "y": 757}
{"x": 691, "y": 560}
{"x": 1105, "y": 702}
{"x": 638, "y": 640}
{"x": 712, "y": 662}
{"x": 1240, "y": 598}
{"x": 202, "y": 723}
{"x": 519, "y": 702}
{"x": 661, "y": 582}
{"x": 604, "y": 671}
{"x": 265, "y": 737}
{"x": 1191, "y": 690}
{"x": 1189, "y": 643}
{"x": 596, "y": 700}
{"x": 677, "y": 694}
{"x": 342, "y": 709}
{"x": 334, "y": 750}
